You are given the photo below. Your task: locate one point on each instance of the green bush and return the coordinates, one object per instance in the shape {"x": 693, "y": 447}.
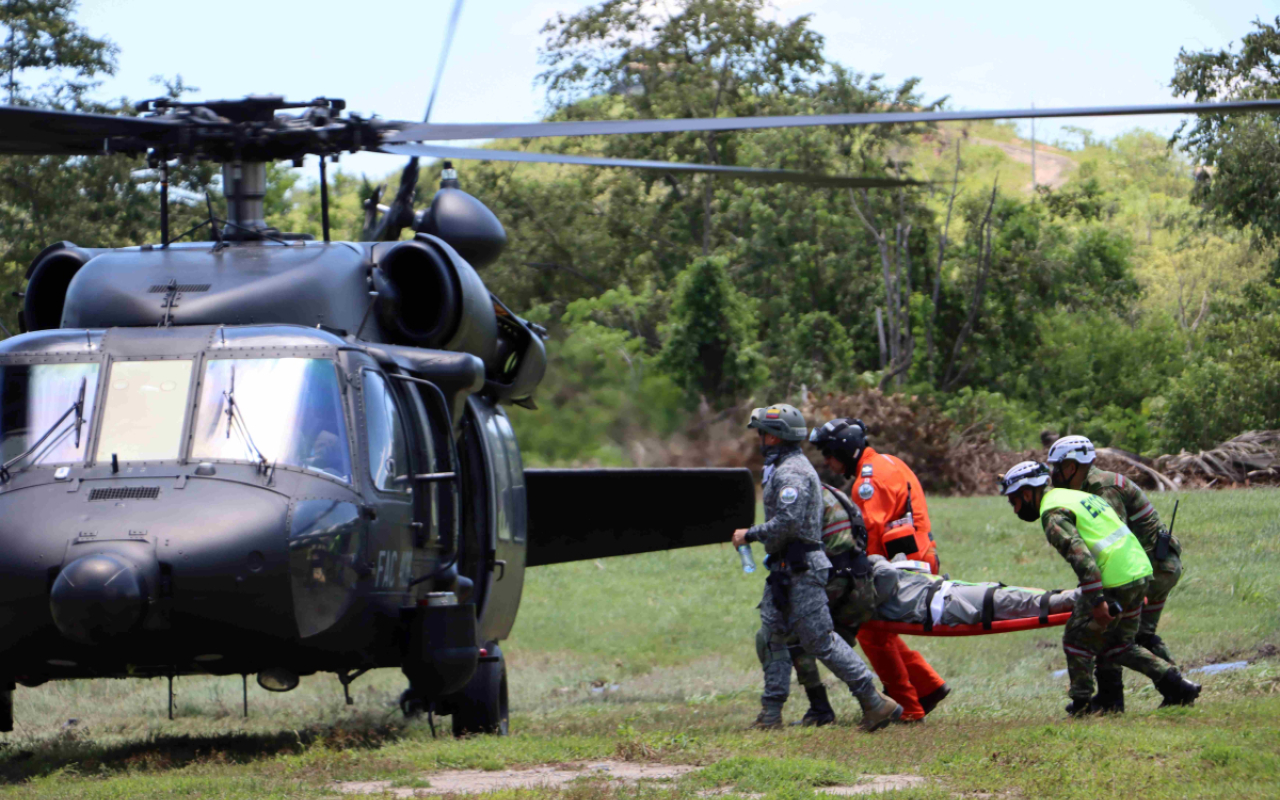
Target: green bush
{"x": 1010, "y": 424}
{"x": 815, "y": 351}
{"x": 602, "y": 390}
{"x": 1234, "y": 386}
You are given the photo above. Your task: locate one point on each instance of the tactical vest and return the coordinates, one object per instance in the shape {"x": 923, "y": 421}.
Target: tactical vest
{"x": 1120, "y": 556}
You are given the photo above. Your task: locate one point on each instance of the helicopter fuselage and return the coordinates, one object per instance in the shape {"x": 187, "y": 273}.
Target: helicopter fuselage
{"x": 249, "y": 496}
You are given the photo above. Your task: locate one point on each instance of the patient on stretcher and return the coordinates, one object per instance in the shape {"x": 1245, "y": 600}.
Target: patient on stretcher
{"x": 905, "y": 591}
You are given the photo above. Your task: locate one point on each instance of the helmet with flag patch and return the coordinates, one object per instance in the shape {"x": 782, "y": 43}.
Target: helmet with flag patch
{"x": 1072, "y": 448}
{"x": 782, "y": 420}
{"x": 1024, "y": 473}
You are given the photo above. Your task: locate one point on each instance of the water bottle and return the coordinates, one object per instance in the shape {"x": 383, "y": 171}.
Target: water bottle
{"x": 748, "y": 563}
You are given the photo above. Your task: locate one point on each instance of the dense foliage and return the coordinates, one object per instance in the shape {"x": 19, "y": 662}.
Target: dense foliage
{"x": 1129, "y": 302}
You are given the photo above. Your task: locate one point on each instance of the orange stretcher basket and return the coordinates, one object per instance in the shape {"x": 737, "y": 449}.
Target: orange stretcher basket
{"x": 997, "y": 626}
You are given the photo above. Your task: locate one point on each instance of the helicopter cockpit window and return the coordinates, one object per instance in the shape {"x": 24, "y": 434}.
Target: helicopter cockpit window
{"x": 284, "y": 411}
{"x": 33, "y": 397}
{"x": 384, "y": 430}
{"x": 143, "y": 411}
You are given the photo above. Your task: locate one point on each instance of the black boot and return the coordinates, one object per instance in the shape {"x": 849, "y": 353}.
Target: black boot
{"x": 1080, "y": 708}
{"x": 1177, "y": 690}
{"x": 820, "y": 711}
{"x": 1110, "y": 696}
{"x": 930, "y": 701}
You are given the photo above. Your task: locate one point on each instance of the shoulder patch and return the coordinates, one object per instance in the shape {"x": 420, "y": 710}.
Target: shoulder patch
{"x": 866, "y": 471}
{"x": 788, "y": 495}
{"x": 866, "y": 491}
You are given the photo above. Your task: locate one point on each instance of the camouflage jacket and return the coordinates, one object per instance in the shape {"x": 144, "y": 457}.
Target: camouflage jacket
{"x": 792, "y": 504}
{"x": 1060, "y": 530}
{"x": 1131, "y": 503}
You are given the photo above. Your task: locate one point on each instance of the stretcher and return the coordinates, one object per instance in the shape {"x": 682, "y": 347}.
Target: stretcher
{"x": 979, "y": 629}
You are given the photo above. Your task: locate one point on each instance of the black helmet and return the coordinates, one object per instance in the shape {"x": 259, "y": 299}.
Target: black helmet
{"x": 844, "y": 438}
{"x": 784, "y": 421}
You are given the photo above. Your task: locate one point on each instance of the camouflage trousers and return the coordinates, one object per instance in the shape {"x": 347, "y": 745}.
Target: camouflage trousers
{"x": 1167, "y": 574}
{"x": 808, "y": 619}
{"x": 1084, "y": 640}
{"x": 806, "y": 666}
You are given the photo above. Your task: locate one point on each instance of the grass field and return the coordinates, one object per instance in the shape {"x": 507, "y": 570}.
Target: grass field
{"x": 649, "y": 659}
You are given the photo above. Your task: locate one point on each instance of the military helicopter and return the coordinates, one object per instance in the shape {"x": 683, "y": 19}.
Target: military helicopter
{"x": 263, "y": 454}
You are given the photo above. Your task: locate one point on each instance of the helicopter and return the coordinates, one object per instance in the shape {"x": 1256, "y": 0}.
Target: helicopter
{"x": 267, "y": 455}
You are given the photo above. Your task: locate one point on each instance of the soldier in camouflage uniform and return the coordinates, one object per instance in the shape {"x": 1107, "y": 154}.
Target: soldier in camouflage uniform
{"x": 844, "y": 537}
{"x": 1071, "y": 459}
{"x": 1114, "y": 573}
{"x": 795, "y": 599}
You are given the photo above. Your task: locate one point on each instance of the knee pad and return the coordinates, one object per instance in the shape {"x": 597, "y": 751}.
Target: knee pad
{"x": 778, "y": 652}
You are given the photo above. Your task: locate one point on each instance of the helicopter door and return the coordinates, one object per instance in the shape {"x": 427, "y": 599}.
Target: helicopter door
{"x": 495, "y": 521}
{"x": 391, "y": 478}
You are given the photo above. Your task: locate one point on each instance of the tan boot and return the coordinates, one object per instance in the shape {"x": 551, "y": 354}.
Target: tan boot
{"x": 770, "y": 719}
{"x": 878, "y": 710}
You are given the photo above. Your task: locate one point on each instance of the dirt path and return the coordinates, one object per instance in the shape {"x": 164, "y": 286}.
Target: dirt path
{"x": 1052, "y": 167}
{"x": 475, "y": 781}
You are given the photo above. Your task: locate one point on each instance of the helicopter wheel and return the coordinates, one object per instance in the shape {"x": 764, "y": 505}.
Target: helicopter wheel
{"x": 482, "y": 707}
{"x": 412, "y": 703}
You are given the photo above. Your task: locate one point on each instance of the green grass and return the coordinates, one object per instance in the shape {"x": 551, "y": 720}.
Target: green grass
{"x": 650, "y": 658}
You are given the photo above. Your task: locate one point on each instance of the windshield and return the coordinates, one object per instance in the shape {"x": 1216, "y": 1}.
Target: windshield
{"x": 34, "y": 396}
{"x": 287, "y": 411}
{"x": 146, "y": 404}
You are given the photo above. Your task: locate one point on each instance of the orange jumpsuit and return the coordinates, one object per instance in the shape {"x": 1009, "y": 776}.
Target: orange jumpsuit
{"x": 885, "y": 490}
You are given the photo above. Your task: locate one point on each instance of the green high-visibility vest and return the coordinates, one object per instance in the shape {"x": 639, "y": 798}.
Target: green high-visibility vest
{"x": 1118, "y": 552}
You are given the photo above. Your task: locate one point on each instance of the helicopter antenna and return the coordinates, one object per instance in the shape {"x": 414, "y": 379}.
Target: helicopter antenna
{"x": 400, "y": 213}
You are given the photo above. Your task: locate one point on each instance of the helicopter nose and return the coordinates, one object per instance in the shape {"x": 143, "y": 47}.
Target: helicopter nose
{"x": 96, "y": 597}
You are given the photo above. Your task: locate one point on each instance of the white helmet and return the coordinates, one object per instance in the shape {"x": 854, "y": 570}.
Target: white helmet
{"x": 1024, "y": 473}
{"x": 1072, "y": 448}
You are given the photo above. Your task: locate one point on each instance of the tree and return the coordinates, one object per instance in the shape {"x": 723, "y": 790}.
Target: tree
{"x": 711, "y": 349}
{"x": 41, "y": 35}
{"x": 1240, "y": 152}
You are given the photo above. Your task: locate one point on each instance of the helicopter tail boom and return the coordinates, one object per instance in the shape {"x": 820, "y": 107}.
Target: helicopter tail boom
{"x": 577, "y": 514}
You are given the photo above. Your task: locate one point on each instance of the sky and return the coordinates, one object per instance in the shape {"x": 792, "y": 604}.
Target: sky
{"x": 381, "y": 57}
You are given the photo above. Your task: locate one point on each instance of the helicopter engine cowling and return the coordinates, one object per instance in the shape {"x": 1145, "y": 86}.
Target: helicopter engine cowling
{"x": 466, "y": 224}
{"x": 429, "y": 296}
{"x": 48, "y": 277}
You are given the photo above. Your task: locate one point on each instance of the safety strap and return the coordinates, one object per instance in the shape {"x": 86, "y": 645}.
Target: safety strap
{"x": 935, "y": 599}
{"x": 989, "y": 607}
{"x": 1045, "y": 600}
{"x": 912, "y": 566}
{"x": 859, "y": 527}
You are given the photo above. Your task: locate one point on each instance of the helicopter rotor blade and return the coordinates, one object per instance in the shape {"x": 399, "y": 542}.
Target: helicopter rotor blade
{"x": 755, "y": 173}
{"x": 444, "y": 56}
{"x": 527, "y": 130}
{"x": 36, "y": 131}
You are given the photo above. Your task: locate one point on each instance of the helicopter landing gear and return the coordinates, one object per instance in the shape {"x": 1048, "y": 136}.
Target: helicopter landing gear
{"x": 481, "y": 706}
{"x": 413, "y": 703}
{"x": 6, "y": 706}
